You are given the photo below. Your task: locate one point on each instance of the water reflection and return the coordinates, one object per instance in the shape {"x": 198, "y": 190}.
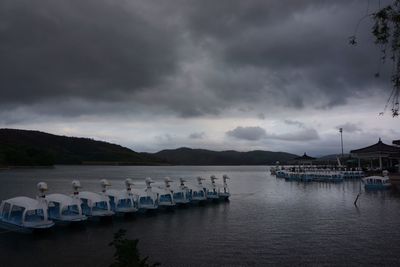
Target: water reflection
{"x": 267, "y": 222}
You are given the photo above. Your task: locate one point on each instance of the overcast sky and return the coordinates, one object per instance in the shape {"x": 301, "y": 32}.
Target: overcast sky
{"x": 275, "y": 75}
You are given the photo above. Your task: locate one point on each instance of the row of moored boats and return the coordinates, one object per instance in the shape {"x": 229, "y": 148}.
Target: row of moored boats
{"x": 317, "y": 175}
{"x": 24, "y": 214}
{"x": 303, "y": 174}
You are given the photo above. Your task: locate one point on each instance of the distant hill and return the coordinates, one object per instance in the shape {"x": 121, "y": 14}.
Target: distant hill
{"x": 34, "y": 148}
{"x": 188, "y": 156}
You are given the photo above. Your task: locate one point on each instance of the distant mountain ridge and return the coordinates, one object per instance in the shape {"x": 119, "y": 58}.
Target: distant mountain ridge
{"x": 189, "y": 156}
{"x": 27, "y": 148}
{"x": 35, "y": 148}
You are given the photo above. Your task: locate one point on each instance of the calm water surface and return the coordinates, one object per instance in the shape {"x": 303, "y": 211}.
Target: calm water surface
{"x": 267, "y": 222}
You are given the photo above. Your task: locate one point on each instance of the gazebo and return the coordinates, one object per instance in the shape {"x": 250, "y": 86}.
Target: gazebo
{"x": 397, "y": 156}
{"x": 304, "y": 160}
{"x": 379, "y": 151}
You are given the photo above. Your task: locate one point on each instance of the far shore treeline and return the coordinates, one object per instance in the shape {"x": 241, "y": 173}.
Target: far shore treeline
{"x": 34, "y": 148}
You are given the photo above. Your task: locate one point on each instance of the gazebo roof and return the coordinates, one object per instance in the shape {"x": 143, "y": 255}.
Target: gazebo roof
{"x": 379, "y": 147}
{"x": 304, "y": 157}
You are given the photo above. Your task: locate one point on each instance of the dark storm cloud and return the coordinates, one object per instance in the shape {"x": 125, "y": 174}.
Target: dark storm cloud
{"x": 256, "y": 133}
{"x": 303, "y": 48}
{"x": 199, "y": 135}
{"x": 226, "y": 18}
{"x": 92, "y": 49}
{"x": 247, "y": 133}
{"x": 190, "y": 58}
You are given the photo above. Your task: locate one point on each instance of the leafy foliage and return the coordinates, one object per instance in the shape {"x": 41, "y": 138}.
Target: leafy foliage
{"x": 386, "y": 31}
{"x": 126, "y": 252}
{"x": 27, "y": 157}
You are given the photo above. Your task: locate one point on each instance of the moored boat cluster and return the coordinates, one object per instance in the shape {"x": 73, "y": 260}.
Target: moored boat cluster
{"x": 315, "y": 174}
{"x": 24, "y": 214}
{"x": 330, "y": 175}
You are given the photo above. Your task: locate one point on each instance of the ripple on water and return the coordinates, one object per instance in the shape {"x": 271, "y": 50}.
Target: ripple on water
{"x": 267, "y": 222}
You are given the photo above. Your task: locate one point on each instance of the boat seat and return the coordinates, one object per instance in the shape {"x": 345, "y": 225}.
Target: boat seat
{"x": 71, "y": 210}
{"x": 34, "y": 215}
{"x": 124, "y": 203}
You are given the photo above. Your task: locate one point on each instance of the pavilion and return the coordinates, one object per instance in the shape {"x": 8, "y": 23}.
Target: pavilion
{"x": 379, "y": 151}
{"x": 304, "y": 160}
{"x": 397, "y": 156}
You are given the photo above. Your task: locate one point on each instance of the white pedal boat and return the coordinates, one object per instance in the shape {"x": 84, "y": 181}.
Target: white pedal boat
{"x": 148, "y": 199}
{"x": 164, "y": 194}
{"x": 64, "y": 209}
{"x": 24, "y": 214}
{"x": 198, "y": 191}
{"x": 182, "y": 194}
{"x": 93, "y": 204}
{"x": 224, "y": 192}
{"x": 121, "y": 201}
{"x": 212, "y": 190}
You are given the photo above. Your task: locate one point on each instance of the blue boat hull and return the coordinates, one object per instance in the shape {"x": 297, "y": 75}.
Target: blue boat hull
{"x": 24, "y": 229}
{"x": 376, "y": 187}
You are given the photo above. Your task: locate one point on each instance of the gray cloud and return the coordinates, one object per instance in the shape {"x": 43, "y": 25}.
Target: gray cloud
{"x": 257, "y": 133}
{"x": 90, "y": 49}
{"x": 296, "y": 123}
{"x": 261, "y": 116}
{"x": 306, "y": 134}
{"x": 298, "y": 50}
{"x": 164, "y": 138}
{"x": 187, "y": 58}
{"x": 247, "y": 133}
{"x": 349, "y": 127}
{"x": 199, "y": 135}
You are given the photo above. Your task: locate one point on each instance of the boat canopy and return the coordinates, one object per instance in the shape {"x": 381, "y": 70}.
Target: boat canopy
{"x": 121, "y": 194}
{"x": 94, "y": 197}
{"x": 376, "y": 178}
{"x": 136, "y": 191}
{"x": 116, "y": 193}
{"x": 25, "y": 202}
{"x": 60, "y": 198}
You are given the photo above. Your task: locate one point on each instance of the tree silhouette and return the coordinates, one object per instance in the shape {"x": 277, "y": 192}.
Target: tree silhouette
{"x": 386, "y": 32}
{"x": 127, "y": 253}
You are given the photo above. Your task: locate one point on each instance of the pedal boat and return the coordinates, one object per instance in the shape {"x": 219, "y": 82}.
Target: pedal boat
{"x": 24, "y": 214}
{"x": 182, "y": 194}
{"x": 198, "y": 191}
{"x": 64, "y": 209}
{"x": 93, "y": 205}
{"x": 165, "y": 194}
{"x": 121, "y": 201}
{"x": 212, "y": 189}
{"x": 377, "y": 182}
{"x": 148, "y": 199}
{"x": 224, "y": 193}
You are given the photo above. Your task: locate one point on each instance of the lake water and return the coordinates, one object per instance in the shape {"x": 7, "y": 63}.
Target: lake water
{"x": 267, "y": 222}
